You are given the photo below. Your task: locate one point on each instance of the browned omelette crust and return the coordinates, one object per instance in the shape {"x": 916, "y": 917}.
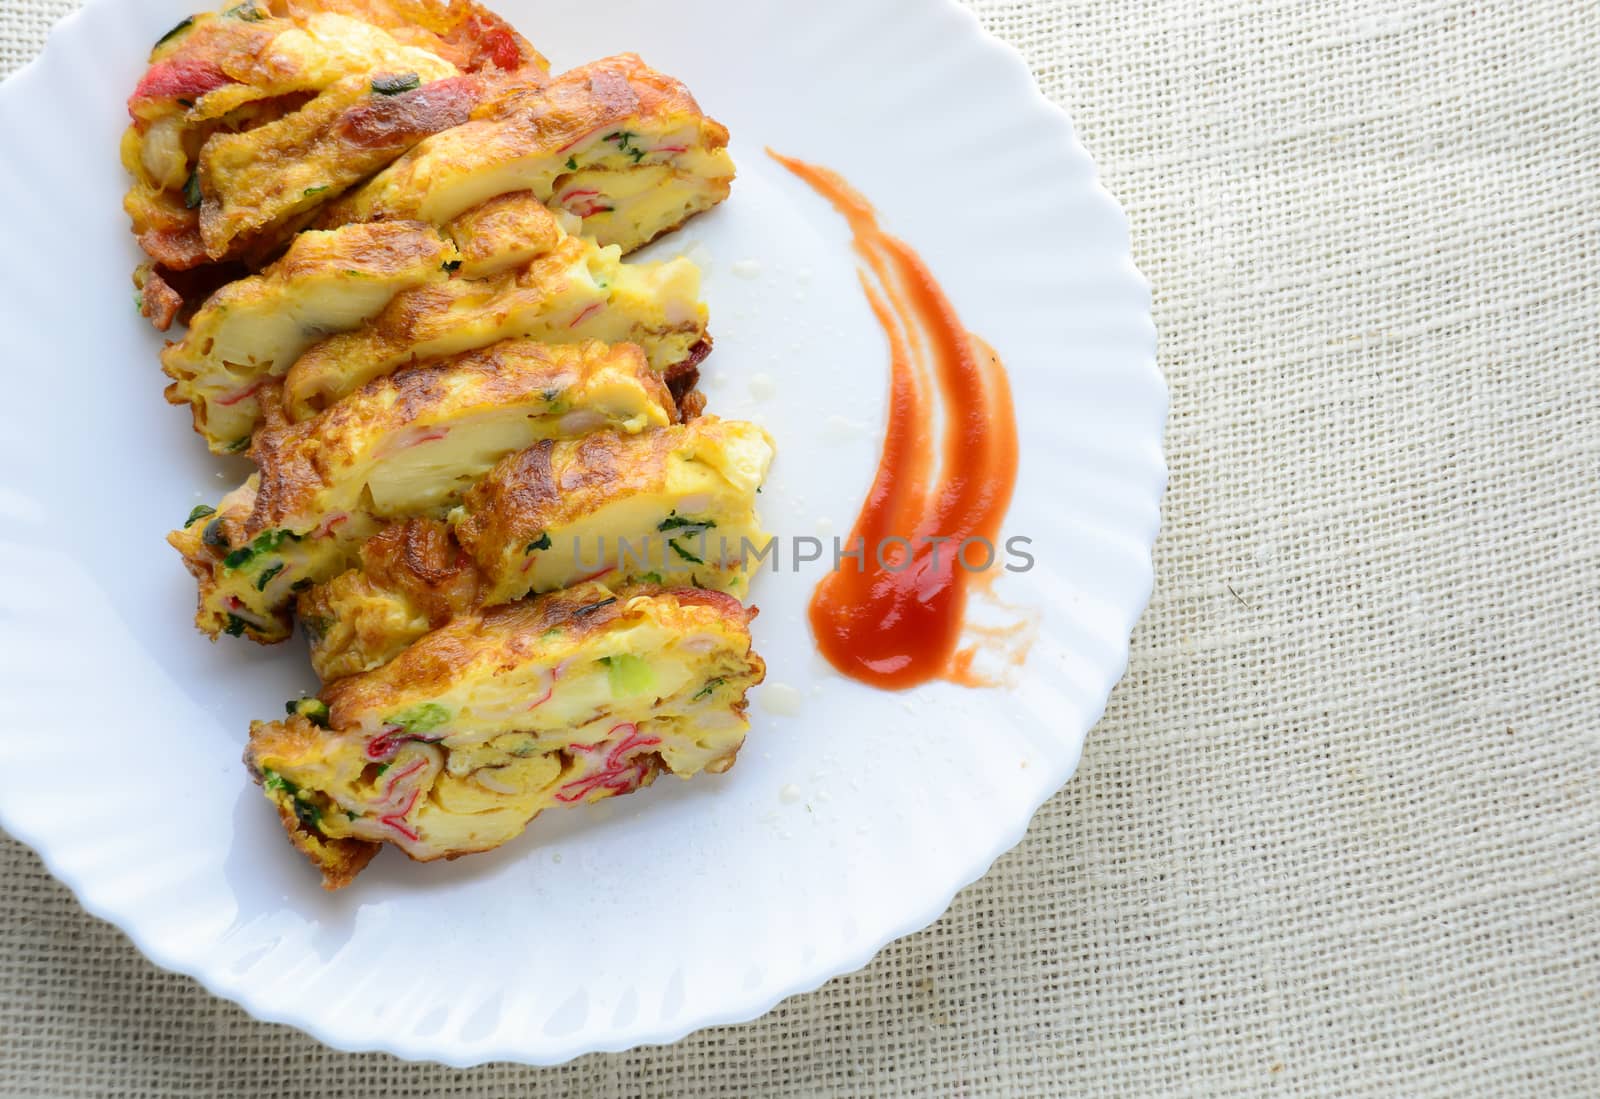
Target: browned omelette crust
{"x": 375, "y": 250}
{"x": 417, "y": 575}
{"x": 385, "y": 250}
{"x": 497, "y": 641}
{"x": 550, "y": 484}
{"x": 507, "y": 231}
{"x": 159, "y": 302}
{"x": 298, "y": 461}
{"x": 215, "y": 75}
{"x": 418, "y": 557}
{"x": 347, "y": 133}
{"x": 578, "y": 105}
{"x": 339, "y": 860}
{"x": 412, "y": 568}
{"x": 510, "y": 635}
{"x": 419, "y": 314}
{"x": 479, "y": 306}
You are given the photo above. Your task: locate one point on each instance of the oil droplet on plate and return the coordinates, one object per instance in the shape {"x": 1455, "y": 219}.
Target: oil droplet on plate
{"x": 780, "y": 699}
{"x": 762, "y": 387}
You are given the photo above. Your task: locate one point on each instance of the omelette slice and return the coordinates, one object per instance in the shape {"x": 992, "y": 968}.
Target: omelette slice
{"x": 225, "y": 77}
{"x": 404, "y": 445}
{"x": 616, "y": 143}
{"x": 247, "y": 585}
{"x": 254, "y": 184}
{"x": 458, "y": 743}
{"x": 407, "y": 580}
{"x": 572, "y": 292}
{"x": 677, "y": 505}
{"x": 252, "y": 330}
{"x": 674, "y": 506}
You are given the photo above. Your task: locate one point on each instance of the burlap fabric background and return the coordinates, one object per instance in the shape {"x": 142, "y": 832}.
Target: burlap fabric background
{"x": 1339, "y": 833}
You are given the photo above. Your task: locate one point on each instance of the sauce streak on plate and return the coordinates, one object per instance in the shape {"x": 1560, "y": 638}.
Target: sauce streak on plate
{"x": 896, "y": 621}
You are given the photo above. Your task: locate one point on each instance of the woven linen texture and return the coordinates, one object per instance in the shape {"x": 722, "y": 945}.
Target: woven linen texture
{"x": 1339, "y": 833}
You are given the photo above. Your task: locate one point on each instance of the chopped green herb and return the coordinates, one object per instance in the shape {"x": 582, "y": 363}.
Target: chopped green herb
{"x": 625, "y": 144}
{"x": 173, "y": 33}
{"x": 451, "y": 265}
{"x": 351, "y": 816}
{"x": 685, "y": 554}
{"x": 651, "y": 578}
{"x": 236, "y": 626}
{"x": 676, "y": 522}
{"x": 572, "y": 164}
{"x": 695, "y": 580}
{"x": 272, "y": 782}
{"x": 629, "y": 675}
{"x": 550, "y": 395}
{"x": 272, "y": 539}
{"x": 138, "y": 301}
{"x": 382, "y": 767}
{"x": 709, "y": 688}
{"x": 589, "y": 608}
{"x": 266, "y": 577}
{"x": 200, "y": 512}
{"x": 266, "y": 542}
{"x": 186, "y": 103}
{"x": 422, "y": 718}
{"x": 309, "y": 191}
{"x": 309, "y": 816}
{"x": 554, "y": 631}
{"x": 313, "y": 710}
{"x": 213, "y": 536}
{"x": 248, "y": 13}
{"x": 191, "y": 191}
{"x": 238, "y": 446}
{"x": 540, "y": 543}
{"x": 395, "y": 84}
{"x": 301, "y": 585}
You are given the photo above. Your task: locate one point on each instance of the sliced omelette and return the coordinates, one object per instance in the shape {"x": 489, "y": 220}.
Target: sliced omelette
{"x": 405, "y": 445}
{"x": 571, "y": 291}
{"x": 677, "y": 505}
{"x": 397, "y": 243}
{"x": 344, "y": 306}
{"x": 459, "y": 742}
{"x": 672, "y": 506}
{"x": 252, "y": 330}
{"x": 623, "y": 147}
{"x": 238, "y": 112}
{"x": 247, "y": 583}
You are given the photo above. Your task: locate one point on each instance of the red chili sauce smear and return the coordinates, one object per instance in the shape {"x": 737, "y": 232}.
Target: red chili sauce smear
{"x": 897, "y": 622}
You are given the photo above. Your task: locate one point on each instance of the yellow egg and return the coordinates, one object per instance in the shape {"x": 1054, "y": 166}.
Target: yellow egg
{"x": 467, "y": 735}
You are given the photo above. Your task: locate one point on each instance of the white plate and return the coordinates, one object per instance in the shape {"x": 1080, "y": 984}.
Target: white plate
{"x": 690, "y": 903}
